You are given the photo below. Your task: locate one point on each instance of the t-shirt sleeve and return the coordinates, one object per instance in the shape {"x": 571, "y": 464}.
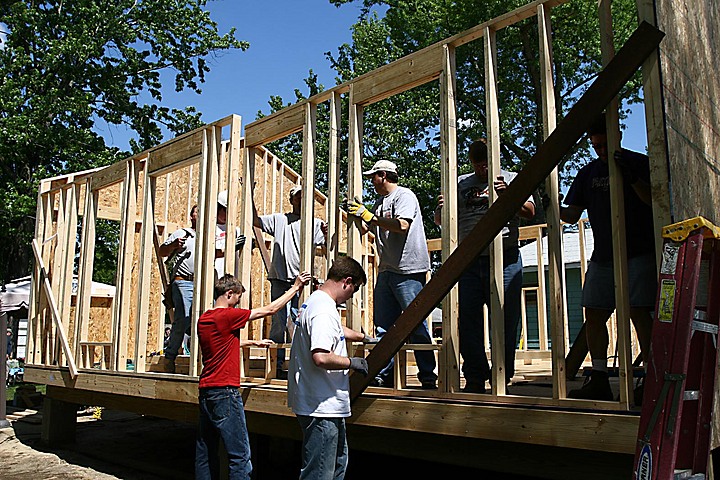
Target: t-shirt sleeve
{"x": 577, "y": 191}
{"x": 321, "y": 337}
{"x": 405, "y": 206}
{"x": 175, "y": 235}
{"x": 237, "y": 317}
{"x": 267, "y": 224}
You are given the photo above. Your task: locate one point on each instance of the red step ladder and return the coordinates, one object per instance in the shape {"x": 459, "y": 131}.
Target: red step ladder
{"x": 674, "y": 433}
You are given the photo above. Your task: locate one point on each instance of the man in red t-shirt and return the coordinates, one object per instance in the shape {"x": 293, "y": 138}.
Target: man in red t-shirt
{"x": 221, "y": 407}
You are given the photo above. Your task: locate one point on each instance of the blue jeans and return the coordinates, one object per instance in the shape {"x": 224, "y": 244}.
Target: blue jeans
{"x": 222, "y": 416}
{"x": 474, "y": 292}
{"x": 182, "y": 295}
{"x": 324, "y": 448}
{"x": 278, "y": 328}
{"x": 393, "y": 294}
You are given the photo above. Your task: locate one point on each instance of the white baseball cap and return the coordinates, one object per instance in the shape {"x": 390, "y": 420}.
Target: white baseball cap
{"x": 222, "y": 198}
{"x": 382, "y": 166}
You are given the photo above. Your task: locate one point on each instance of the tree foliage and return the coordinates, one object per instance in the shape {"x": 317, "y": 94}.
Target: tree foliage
{"x": 70, "y": 68}
{"x": 404, "y": 128}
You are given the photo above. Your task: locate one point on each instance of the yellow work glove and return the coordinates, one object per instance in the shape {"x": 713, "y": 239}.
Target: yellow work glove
{"x": 358, "y": 209}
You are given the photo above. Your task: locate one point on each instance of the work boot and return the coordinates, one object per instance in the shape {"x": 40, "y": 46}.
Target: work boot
{"x": 596, "y": 387}
{"x": 474, "y": 387}
{"x": 169, "y": 365}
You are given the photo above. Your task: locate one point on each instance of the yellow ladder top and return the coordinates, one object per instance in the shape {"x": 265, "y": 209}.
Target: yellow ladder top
{"x": 680, "y": 231}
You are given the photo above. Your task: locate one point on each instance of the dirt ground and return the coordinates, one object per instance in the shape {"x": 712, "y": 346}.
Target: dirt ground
{"x": 120, "y": 445}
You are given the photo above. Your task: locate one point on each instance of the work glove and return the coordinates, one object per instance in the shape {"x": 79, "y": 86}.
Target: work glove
{"x": 369, "y": 339}
{"x": 360, "y": 365}
{"x": 627, "y": 166}
{"x": 358, "y": 209}
{"x": 239, "y": 242}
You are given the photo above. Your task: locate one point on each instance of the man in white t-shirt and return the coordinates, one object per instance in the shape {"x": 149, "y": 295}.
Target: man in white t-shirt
{"x": 285, "y": 263}
{"x": 318, "y": 380}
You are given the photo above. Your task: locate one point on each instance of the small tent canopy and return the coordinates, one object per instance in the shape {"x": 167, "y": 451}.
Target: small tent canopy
{"x": 17, "y": 293}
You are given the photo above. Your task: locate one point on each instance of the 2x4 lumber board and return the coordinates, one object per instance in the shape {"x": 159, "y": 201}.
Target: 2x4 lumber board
{"x": 450, "y": 355}
{"x": 278, "y": 125}
{"x": 617, "y": 218}
{"x": 608, "y": 83}
{"x": 556, "y": 271}
{"x": 399, "y": 76}
{"x": 54, "y": 311}
{"x": 307, "y": 207}
{"x": 333, "y": 208}
{"x": 232, "y": 182}
{"x": 145, "y": 268}
{"x": 656, "y": 133}
{"x": 85, "y": 269}
{"x": 497, "y": 286}
{"x": 246, "y": 222}
{"x": 35, "y": 289}
{"x": 126, "y": 249}
{"x": 72, "y": 196}
{"x": 354, "y": 225}
{"x": 175, "y": 153}
{"x": 46, "y": 250}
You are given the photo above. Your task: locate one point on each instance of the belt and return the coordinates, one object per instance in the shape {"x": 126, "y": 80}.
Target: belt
{"x": 180, "y": 277}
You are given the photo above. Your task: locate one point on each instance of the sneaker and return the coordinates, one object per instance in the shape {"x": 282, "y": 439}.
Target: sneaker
{"x": 474, "y": 387}
{"x": 596, "y": 387}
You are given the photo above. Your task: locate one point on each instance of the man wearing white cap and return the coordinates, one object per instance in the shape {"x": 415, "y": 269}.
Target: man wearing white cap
{"x": 285, "y": 263}
{"x": 397, "y": 223}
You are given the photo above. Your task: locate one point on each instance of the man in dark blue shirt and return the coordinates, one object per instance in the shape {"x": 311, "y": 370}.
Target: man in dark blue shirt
{"x": 590, "y": 191}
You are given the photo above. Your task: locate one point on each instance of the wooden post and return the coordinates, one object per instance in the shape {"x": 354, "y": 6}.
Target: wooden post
{"x": 556, "y": 268}
{"x": 121, "y": 305}
{"x": 233, "y": 174}
{"x": 34, "y": 311}
{"x": 333, "y": 203}
{"x": 449, "y": 378}
{"x": 497, "y": 287}
{"x": 145, "y": 268}
{"x": 617, "y": 209}
{"x": 85, "y": 269}
{"x": 354, "y": 239}
{"x": 307, "y": 207}
{"x": 59, "y": 420}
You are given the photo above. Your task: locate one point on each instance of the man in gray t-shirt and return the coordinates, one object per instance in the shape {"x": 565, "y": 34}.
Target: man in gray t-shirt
{"x": 285, "y": 263}
{"x": 396, "y": 221}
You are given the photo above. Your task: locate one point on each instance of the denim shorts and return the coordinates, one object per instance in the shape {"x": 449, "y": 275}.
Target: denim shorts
{"x": 599, "y": 289}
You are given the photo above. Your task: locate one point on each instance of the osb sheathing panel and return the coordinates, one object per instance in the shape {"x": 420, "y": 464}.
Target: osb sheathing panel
{"x": 100, "y": 320}
{"x": 691, "y": 91}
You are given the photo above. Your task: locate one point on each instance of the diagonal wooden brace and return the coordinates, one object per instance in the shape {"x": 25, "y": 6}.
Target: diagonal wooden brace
{"x": 572, "y": 128}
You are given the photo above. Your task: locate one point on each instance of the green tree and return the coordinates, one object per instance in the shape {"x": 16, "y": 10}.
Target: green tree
{"x": 404, "y": 128}
{"x": 67, "y": 67}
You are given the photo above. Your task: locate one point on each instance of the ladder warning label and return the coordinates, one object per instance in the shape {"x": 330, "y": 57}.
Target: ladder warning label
{"x": 666, "y": 302}
{"x": 669, "y": 259}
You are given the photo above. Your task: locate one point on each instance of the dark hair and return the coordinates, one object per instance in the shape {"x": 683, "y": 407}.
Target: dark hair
{"x": 344, "y": 267}
{"x": 194, "y": 208}
{"x": 598, "y": 126}
{"x": 478, "y": 151}
{"x": 227, "y": 282}
{"x": 391, "y": 177}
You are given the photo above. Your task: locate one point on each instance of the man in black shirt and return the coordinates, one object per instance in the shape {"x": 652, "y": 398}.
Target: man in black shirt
{"x": 590, "y": 191}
